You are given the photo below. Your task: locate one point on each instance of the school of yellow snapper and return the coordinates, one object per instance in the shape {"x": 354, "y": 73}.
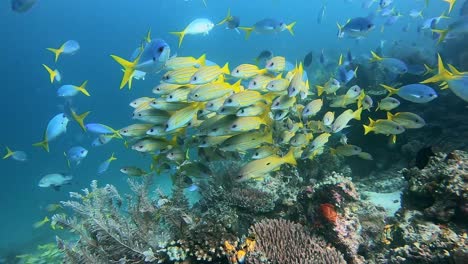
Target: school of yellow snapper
{"x": 276, "y": 117}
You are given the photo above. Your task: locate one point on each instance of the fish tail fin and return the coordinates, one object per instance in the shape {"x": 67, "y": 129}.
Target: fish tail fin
{"x": 44, "y": 144}
{"x": 112, "y": 157}
{"x": 340, "y": 59}
{"x": 454, "y": 70}
{"x": 333, "y": 151}
{"x": 148, "y": 36}
{"x": 228, "y": 16}
{"x": 375, "y": 57}
{"x": 51, "y": 72}
{"x": 237, "y": 87}
{"x": 427, "y": 69}
{"x": 320, "y": 89}
{"x": 82, "y": 88}
{"x": 340, "y": 30}
{"x": 8, "y": 154}
{"x": 367, "y": 129}
{"x": 357, "y": 114}
{"x": 80, "y": 119}
{"x": 180, "y": 35}
{"x": 202, "y": 60}
{"x": 393, "y": 139}
{"x": 355, "y": 72}
{"x": 389, "y": 116}
{"x": 248, "y": 31}
{"x": 128, "y": 67}
{"x": 451, "y": 3}
{"x": 420, "y": 14}
{"x": 225, "y": 68}
{"x": 442, "y": 34}
{"x": 442, "y": 74}
{"x": 290, "y": 28}
{"x": 391, "y": 90}
{"x": 57, "y": 52}
{"x": 289, "y": 157}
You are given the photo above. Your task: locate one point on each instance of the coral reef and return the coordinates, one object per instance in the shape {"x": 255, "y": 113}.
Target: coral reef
{"x": 282, "y": 241}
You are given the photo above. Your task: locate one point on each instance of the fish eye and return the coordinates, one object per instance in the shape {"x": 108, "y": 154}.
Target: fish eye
{"x": 242, "y": 111}
{"x": 170, "y": 96}
{"x": 268, "y": 164}
{"x": 151, "y": 130}
{"x": 307, "y": 110}
{"x": 369, "y": 26}
{"x": 214, "y": 129}
{"x": 237, "y": 71}
{"x": 82, "y": 151}
{"x": 222, "y": 109}
{"x": 196, "y": 95}
{"x": 272, "y": 85}
{"x": 125, "y": 131}
{"x": 234, "y": 126}
{"x": 277, "y": 103}
{"x": 141, "y": 146}
{"x": 211, "y": 105}
{"x": 254, "y": 83}
{"x": 167, "y": 126}
{"x": 417, "y": 121}
{"x": 189, "y": 123}
{"x": 158, "y": 89}
{"x": 293, "y": 89}
{"x": 139, "y": 114}
{"x": 194, "y": 78}
{"x": 271, "y": 64}
{"x": 229, "y": 100}
{"x": 160, "y": 49}
{"x": 256, "y": 154}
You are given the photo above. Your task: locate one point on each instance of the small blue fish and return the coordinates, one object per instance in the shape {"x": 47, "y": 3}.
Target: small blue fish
{"x": 416, "y": 93}
{"x": 56, "y": 127}
{"x": 16, "y": 155}
{"x": 385, "y": 3}
{"x": 357, "y": 28}
{"x": 69, "y": 90}
{"x": 102, "y": 140}
{"x": 22, "y": 6}
{"x": 70, "y": 47}
{"x": 77, "y": 154}
{"x": 151, "y": 58}
{"x": 268, "y": 26}
{"x": 105, "y": 165}
{"x": 102, "y": 129}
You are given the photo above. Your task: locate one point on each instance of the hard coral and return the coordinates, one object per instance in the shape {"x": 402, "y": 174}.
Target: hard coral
{"x": 285, "y": 242}
{"x": 252, "y": 200}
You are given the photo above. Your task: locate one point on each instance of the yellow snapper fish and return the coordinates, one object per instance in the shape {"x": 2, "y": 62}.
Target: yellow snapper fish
{"x": 276, "y": 64}
{"x": 259, "y": 82}
{"x": 365, "y": 101}
{"x": 212, "y": 91}
{"x": 183, "y": 116}
{"x": 312, "y": 108}
{"x": 365, "y": 156}
{"x": 341, "y": 122}
{"x": 212, "y": 141}
{"x": 329, "y": 87}
{"x": 246, "y": 141}
{"x": 318, "y": 143}
{"x": 247, "y": 71}
{"x": 283, "y": 102}
{"x": 407, "y": 119}
{"x": 300, "y": 139}
{"x": 387, "y": 104}
{"x": 208, "y": 74}
{"x": 153, "y": 116}
{"x": 248, "y": 123}
{"x": 243, "y": 99}
{"x": 179, "y": 95}
{"x": 328, "y": 118}
{"x": 264, "y": 151}
{"x": 385, "y": 127}
{"x": 54, "y": 75}
{"x": 252, "y": 110}
{"x": 177, "y": 155}
{"x": 162, "y": 104}
{"x": 41, "y": 223}
{"x": 133, "y": 171}
{"x": 278, "y": 85}
{"x": 149, "y": 144}
{"x": 166, "y": 88}
{"x": 346, "y": 150}
{"x": 141, "y": 103}
{"x": 196, "y": 27}
{"x": 258, "y": 169}
{"x": 298, "y": 85}
{"x": 135, "y": 130}
{"x": 179, "y": 76}
{"x": 215, "y": 104}
{"x": 175, "y": 62}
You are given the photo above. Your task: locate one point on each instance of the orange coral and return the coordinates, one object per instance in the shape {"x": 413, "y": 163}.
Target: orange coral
{"x": 328, "y": 211}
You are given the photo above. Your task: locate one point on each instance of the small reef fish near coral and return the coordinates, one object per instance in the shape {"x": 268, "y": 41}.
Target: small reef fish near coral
{"x": 287, "y": 149}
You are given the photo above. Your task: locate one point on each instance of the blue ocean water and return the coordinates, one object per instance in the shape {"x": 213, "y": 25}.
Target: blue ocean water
{"x": 117, "y": 27}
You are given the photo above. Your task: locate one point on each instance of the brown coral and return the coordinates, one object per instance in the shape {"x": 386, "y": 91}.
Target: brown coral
{"x": 285, "y": 242}
{"x": 252, "y": 200}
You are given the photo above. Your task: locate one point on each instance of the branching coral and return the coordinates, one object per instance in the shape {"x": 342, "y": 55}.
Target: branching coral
{"x": 252, "y": 200}
{"x": 282, "y": 241}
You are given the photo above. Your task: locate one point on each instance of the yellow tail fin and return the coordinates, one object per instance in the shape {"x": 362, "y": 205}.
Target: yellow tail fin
{"x": 442, "y": 34}
{"x": 80, "y": 118}
{"x": 44, "y": 144}
{"x": 375, "y": 57}
{"x": 451, "y": 4}
{"x": 148, "y": 36}
{"x": 202, "y": 60}
{"x": 289, "y": 157}
{"x": 442, "y": 75}
{"x": 51, "y": 72}
{"x": 367, "y": 129}
{"x": 180, "y": 35}
{"x": 248, "y": 31}
{"x": 57, "y": 52}
{"x": 391, "y": 90}
{"x": 129, "y": 69}
{"x": 225, "y": 68}
{"x": 389, "y": 116}
{"x": 320, "y": 89}
{"x": 82, "y": 88}
{"x": 357, "y": 114}
{"x": 290, "y": 28}
{"x": 8, "y": 154}
{"x": 226, "y": 19}
{"x": 112, "y": 158}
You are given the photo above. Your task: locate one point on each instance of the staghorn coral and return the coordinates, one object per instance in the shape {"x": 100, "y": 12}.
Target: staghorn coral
{"x": 282, "y": 241}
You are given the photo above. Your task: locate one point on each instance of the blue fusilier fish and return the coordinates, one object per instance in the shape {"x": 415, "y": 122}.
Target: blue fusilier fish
{"x": 268, "y": 26}
{"x": 55, "y": 180}
{"x": 22, "y": 6}
{"x": 416, "y": 93}
{"x": 391, "y": 64}
{"x": 357, "y": 28}
{"x": 151, "y": 59}
{"x": 232, "y": 22}
{"x": 70, "y": 47}
{"x": 344, "y": 75}
{"x": 16, "y": 155}
{"x": 56, "y": 127}
{"x": 321, "y": 13}
{"x": 105, "y": 165}
{"x": 69, "y": 90}
{"x": 102, "y": 129}
{"x": 76, "y": 154}
{"x": 385, "y": 3}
